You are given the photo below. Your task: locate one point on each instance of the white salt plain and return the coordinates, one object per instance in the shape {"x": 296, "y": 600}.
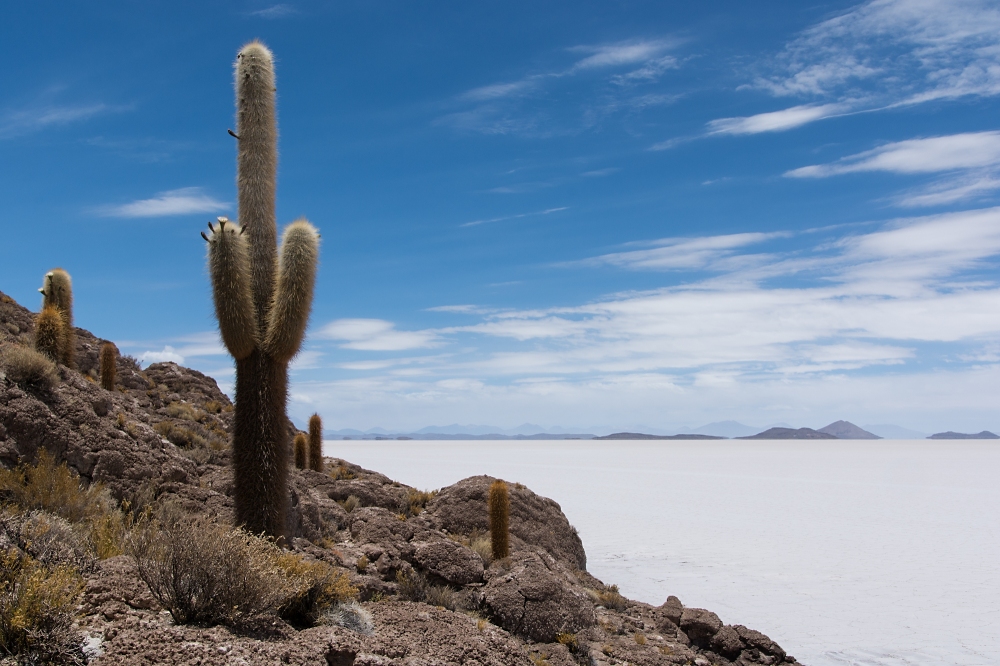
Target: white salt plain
{"x": 848, "y": 552}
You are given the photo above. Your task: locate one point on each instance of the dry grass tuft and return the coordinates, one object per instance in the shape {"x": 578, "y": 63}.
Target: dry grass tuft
{"x": 185, "y": 412}
{"x": 640, "y": 638}
{"x": 28, "y": 368}
{"x": 611, "y": 598}
{"x": 412, "y": 586}
{"x": 416, "y": 500}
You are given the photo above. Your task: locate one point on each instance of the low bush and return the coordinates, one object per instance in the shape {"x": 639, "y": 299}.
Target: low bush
{"x": 412, "y": 586}
{"x": 611, "y": 598}
{"x": 416, "y": 500}
{"x": 205, "y": 573}
{"x": 316, "y": 587}
{"x": 28, "y": 368}
{"x": 37, "y": 607}
{"x": 185, "y": 412}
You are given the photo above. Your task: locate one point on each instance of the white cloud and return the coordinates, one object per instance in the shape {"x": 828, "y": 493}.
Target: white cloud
{"x": 25, "y": 121}
{"x": 902, "y": 51}
{"x": 375, "y": 335}
{"x": 275, "y": 11}
{"x": 168, "y": 353}
{"x": 184, "y": 201}
{"x": 775, "y": 121}
{"x": 547, "y": 211}
{"x": 682, "y": 253}
{"x": 616, "y": 55}
{"x": 942, "y": 153}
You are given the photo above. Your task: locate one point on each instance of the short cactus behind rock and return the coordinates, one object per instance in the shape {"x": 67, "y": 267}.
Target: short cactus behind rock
{"x": 300, "y": 444}
{"x": 499, "y": 505}
{"x": 316, "y": 443}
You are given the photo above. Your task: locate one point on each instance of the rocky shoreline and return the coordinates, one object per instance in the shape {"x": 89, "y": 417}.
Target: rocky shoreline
{"x": 162, "y": 437}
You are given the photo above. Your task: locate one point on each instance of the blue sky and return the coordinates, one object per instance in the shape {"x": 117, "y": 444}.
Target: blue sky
{"x": 593, "y": 215}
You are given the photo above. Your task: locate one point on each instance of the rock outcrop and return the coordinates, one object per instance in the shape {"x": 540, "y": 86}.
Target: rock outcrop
{"x": 163, "y": 436}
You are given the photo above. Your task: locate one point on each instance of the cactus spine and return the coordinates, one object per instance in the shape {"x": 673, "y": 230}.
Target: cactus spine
{"x": 300, "y": 445}
{"x": 49, "y": 333}
{"x": 262, "y": 301}
{"x": 109, "y": 370}
{"x": 57, "y": 292}
{"x": 316, "y": 443}
{"x": 499, "y": 504}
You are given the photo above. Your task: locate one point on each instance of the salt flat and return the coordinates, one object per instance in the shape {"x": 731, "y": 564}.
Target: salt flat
{"x": 845, "y": 552}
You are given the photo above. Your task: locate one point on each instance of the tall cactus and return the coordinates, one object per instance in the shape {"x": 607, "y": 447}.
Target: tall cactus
{"x": 262, "y": 301}
{"x": 57, "y": 292}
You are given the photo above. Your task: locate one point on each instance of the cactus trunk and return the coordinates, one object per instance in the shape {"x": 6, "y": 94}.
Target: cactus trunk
{"x": 262, "y": 303}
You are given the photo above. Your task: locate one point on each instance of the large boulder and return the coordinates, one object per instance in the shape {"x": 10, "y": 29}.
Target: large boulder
{"x": 700, "y": 625}
{"x": 532, "y": 596}
{"x": 449, "y": 561}
{"x": 534, "y": 520}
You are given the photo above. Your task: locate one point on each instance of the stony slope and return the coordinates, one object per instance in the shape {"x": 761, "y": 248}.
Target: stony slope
{"x": 163, "y": 436}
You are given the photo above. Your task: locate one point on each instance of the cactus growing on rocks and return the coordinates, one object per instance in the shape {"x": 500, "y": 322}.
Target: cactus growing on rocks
{"x": 109, "y": 370}
{"x": 262, "y": 301}
{"x": 49, "y": 333}
{"x": 300, "y": 444}
{"x": 499, "y": 505}
{"x": 315, "y": 443}
{"x": 57, "y": 292}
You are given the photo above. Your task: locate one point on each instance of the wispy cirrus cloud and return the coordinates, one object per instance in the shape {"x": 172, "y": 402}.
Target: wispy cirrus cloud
{"x": 374, "y": 335}
{"x": 775, "y": 121}
{"x": 973, "y": 159}
{"x": 515, "y": 107}
{"x": 19, "y": 122}
{"x": 275, "y": 11}
{"x": 880, "y": 54}
{"x": 183, "y": 201}
{"x": 547, "y": 211}
{"x": 682, "y": 253}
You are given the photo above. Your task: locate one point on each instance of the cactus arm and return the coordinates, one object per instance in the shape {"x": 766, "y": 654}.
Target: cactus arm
{"x": 293, "y": 291}
{"x": 229, "y": 267}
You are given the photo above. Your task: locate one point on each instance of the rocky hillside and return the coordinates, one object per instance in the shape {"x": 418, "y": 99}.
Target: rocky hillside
{"x": 162, "y": 438}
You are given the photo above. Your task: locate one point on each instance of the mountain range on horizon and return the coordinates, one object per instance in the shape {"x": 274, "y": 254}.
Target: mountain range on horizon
{"x": 728, "y": 429}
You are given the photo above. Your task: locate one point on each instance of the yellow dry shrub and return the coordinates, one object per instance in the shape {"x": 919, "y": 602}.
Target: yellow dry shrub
{"x": 55, "y": 489}
{"x": 37, "y": 606}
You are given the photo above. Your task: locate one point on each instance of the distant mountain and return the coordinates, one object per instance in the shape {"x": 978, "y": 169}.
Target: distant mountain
{"x": 725, "y": 429}
{"x": 889, "y": 431}
{"x": 790, "y": 433}
{"x": 986, "y": 434}
{"x": 639, "y": 435}
{"x": 847, "y": 430}
{"x": 456, "y": 429}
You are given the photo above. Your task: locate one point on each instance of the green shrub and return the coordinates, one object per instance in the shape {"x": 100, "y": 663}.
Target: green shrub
{"x": 37, "y": 607}
{"x": 28, "y": 368}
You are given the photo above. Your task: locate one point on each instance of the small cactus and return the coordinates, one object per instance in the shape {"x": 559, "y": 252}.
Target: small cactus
{"x": 499, "y": 504}
{"x": 316, "y": 443}
{"x": 57, "y": 292}
{"x": 301, "y": 444}
{"x": 109, "y": 369}
{"x": 49, "y": 334}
